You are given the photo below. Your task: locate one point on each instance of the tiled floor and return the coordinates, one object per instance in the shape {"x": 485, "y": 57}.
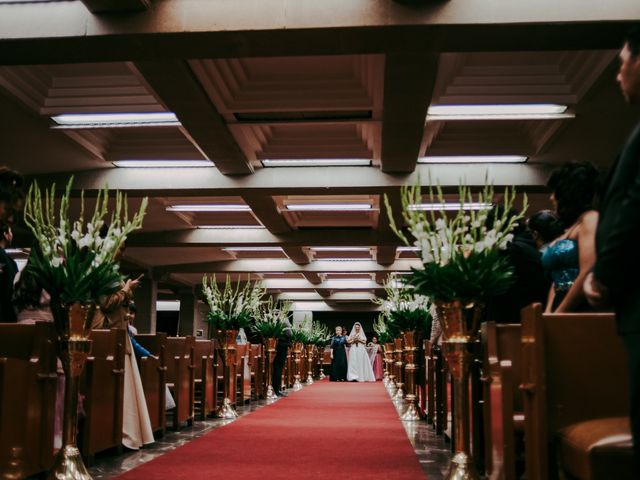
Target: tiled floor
{"x": 433, "y": 452}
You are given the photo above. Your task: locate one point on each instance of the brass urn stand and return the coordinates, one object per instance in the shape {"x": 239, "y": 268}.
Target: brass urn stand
{"x": 310, "y": 353}
{"x": 297, "y": 352}
{"x": 398, "y": 397}
{"x": 460, "y": 327}
{"x": 73, "y": 325}
{"x": 321, "y": 349}
{"x": 389, "y": 369}
{"x": 411, "y": 413}
{"x": 227, "y": 342}
{"x": 270, "y": 348}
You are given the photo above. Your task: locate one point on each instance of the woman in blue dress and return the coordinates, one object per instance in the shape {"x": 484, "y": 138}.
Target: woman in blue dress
{"x": 571, "y": 257}
{"x": 338, "y": 356}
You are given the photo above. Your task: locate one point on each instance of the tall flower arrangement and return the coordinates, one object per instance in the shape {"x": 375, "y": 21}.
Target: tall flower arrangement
{"x": 72, "y": 261}
{"x": 319, "y": 335}
{"x": 232, "y": 307}
{"x": 384, "y": 329}
{"x": 270, "y": 321}
{"x": 461, "y": 250}
{"x": 404, "y": 309}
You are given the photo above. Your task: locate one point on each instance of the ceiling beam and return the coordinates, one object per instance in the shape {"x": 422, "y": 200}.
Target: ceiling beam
{"x": 66, "y": 32}
{"x": 296, "y": 254}
{"x": 111, "y": 6}
{"x": 312, "y": 277}
{"x": 408, "y": 85}
{"x": 197, "y": 237}
{"x": 265, "y": 210}
{"x": 192, "y": 182}
{"x": 386, "y": 255}
{"x": 286, "y": 266}
{"x": 181, "y": 92}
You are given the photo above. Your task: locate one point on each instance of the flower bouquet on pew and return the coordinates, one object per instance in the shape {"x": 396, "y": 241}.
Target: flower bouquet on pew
{"x": 463, "y": 264}
{"x": 76, "y": 262}
{"x": 231, "y": 308}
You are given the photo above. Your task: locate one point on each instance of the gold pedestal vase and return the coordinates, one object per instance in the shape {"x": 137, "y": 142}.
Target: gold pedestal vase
{"x": 410, "y": 340}
{"x": 270, "y": 345}
{"x": 390, "y": 368}
{"x": 460, "y": 327}
{"x": 73, "y": 325}
{"x": 297, "y": 352}
{"x": 227, "y": 342}
{"x": 398, "y": 397}
{"x": 310, "y": 359}
{"x": 321, "y": 375}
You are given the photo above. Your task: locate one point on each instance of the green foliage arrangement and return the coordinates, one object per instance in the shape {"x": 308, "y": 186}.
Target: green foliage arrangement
{"x": 461, "y": 250}
{"x": 383, "y": 327}
{"x": 270, "y": 321}
{"x": 232, "y": 307}
{"x": 72, "y": 262}
{"x": 403, "y": 309}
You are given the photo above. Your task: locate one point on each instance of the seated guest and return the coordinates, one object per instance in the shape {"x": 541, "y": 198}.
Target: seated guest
{"x": 11, "y": 195}
{"x": 572, "y": 255}
{"x": 545, "y": 228}
{"x": 8, "y": 271}
{"x": 530, "y": 284}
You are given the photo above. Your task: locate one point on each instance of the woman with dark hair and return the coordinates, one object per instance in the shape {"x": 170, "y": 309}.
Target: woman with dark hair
{"x": 545, "y": 228}
{"x": 571, "y": 257}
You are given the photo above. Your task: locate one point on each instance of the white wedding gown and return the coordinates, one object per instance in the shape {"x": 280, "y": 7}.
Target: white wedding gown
{"x": 360, "y": 368}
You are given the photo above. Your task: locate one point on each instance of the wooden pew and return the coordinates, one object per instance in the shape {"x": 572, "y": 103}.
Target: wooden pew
{"x": 153, "y": 375}
{"x": 257, "y": 371}
{"x": 204, "y": 378}
{"x": 243, "y": 374}
{"x": 430, "y": 382}
{"x": 102, "y": 386}
{"x": 575, "y": 396}
{"x": 503, "y": 404}
{"x": 27, "y": 398}
{"x": 440, "y": 390}
{"x": 180, "y": 378}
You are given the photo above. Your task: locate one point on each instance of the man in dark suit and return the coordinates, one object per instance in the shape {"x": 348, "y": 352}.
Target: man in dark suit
{"x": 614, "y": 279}
{"x": 284, "y": 342}
{"x": 8, "y": 272}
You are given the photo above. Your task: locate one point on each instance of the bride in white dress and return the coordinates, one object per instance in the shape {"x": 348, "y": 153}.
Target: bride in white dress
{"x": 359, "y": 363}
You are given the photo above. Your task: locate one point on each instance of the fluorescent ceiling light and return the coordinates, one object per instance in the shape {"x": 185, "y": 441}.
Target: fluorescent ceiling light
{"x": 453, "y": 206}
{"x": 328, "y": 207}
{"x": 474, "y": 159}
{"x": 252, "y": 249}
{"x": 162, "y": 163}
{"x": 231, "y": 227}
{"x": 343, "y": 259}
{"x": 113, "y": 120}
{"x": 405, "y": 248}
{"x": 536, "y": 111}
{"x": 168, "y": 305}
{"x": 319, "y": 162}
{"x": 15, "y": 251}
{"x": 210, "y": 208}
{"x": 341, "y": 249}
{"x": 308, "y": 306}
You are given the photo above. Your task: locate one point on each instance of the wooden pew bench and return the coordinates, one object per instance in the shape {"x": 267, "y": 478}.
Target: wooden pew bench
{"x": 102, "y": 386}
{"x": 503, "y": 403}
{"x": 28, "y": 380}
{"x": 575, "y": 396}
{"x": 181, "y": 379}
{"x": 153, "y": 375}
{"x": 256, "y": 364}
{"x": 243, "y": 374}
{"x": 204, "y": 378}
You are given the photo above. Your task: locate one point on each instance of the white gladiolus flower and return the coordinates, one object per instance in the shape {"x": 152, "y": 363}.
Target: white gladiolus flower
{"x": 85, "y": 241}
{"x": 56, "y": 262}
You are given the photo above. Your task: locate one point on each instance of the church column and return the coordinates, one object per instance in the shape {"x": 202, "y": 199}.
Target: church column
{"x": 192, "y": 315}
{"x": 146, "y": 296}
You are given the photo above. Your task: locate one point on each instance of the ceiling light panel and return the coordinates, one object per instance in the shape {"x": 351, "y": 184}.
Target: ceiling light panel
{"x": 115, "y": 120}
{"x": 329, "y": 162}
{"x": 328, "y": 207}
{"x": 539, "y": 111}
{"x": 210, "y": 208}
{"x": 474, "y": 159}
{"x": 162, "y": 163}
{"x": 429, "y": 207}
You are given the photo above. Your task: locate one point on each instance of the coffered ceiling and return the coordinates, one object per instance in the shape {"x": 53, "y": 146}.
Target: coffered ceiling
{"x": 315, "y": 88}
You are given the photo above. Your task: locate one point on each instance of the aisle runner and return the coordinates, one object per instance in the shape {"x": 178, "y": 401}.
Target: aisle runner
{"x": 327, "y": 430}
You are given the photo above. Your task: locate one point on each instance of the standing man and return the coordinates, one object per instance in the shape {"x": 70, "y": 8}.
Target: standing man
{"x": 8, "y": 272}
{"x": 284, "y": 342}
{"x": 618, "y": 256}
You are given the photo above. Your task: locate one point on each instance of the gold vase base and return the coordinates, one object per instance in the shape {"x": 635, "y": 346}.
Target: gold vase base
{"x": 391, "y": 389}
{"x": 398, "y": 397}
{"x": 297, "y": 385}
{"x": 69, "y": 465}
{"x": 322, "y": 375}
{"x": 271, "y": 394}
{"x": 226, "y": 410}
{"x": 309, "y": 380}
{"x": 462, "y": 468}
{"x": 411, "y": 414}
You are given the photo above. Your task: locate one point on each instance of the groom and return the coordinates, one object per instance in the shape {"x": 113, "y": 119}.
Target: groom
{"x": 618, "y": 257}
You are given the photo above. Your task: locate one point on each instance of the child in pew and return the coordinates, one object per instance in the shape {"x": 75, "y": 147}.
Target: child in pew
{"x": 142, "y": 352}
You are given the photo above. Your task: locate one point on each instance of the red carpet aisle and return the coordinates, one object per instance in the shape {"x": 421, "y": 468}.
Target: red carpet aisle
{"x": 328, "y": 430}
